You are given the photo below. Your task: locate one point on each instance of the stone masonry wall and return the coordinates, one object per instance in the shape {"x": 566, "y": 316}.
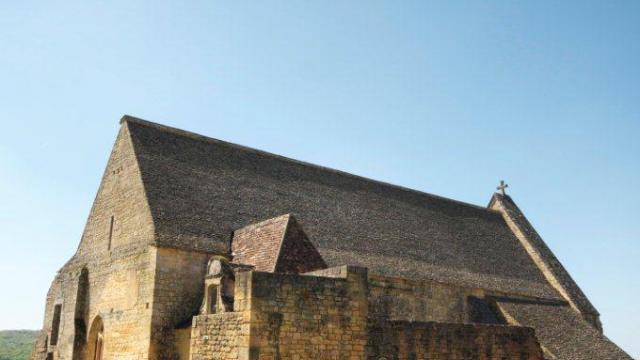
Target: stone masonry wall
{"x": 217, "y": 336}
{"x": 326, "y": 315}
{"x": 308, "y": 317}
{"x": 113, "y": 256}
{"x": 406, "y": 340}
{"x": 402, "y": 299}
{"x": 177, "y": 296}
{"x": 118, "y": 292}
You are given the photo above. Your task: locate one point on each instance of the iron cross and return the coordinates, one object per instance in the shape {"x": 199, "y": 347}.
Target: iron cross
{"x": 502, "y": 187}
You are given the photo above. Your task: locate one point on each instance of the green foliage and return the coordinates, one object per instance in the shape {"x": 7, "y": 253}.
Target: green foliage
{"x": 16, "y": 344}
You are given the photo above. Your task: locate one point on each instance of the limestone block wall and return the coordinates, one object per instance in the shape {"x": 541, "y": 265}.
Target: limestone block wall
{"x": 177, "y": 295}
{"x": 119, "y": 263}
{"x": 411, "y": 300}
{"x": 391, "y": 298}
{"x": 115, "y": 288}
{"x": 54, "y": 297}
{"x": 121, "y": 294}
{"x": 120, "y": 216}
{"x": 327, "y": 314}
{"x": 308, "y": 317}
{"x": 407, "y": 340}
{"x": 115, "y": 259}
{"x": 183, "y": 342}
{"x": 217, "y": 336}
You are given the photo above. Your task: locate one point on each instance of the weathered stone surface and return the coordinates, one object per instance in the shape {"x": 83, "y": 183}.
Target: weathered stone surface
{"x": 410, "y": 340}
{"x": 218, "y": 336}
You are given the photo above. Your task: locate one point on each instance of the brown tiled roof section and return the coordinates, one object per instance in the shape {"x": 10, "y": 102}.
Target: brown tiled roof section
{"x": 276, "y": 245}
{"x": 259, "y": 244}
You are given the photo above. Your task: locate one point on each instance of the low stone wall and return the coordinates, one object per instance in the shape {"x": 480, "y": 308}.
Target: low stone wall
{"x": 418, "y": 340}
{"x": 326, "y": 315}
{"x": 216, "y": 336}
{"x": 308, "y": 317}
{"x": 394, "y": 299}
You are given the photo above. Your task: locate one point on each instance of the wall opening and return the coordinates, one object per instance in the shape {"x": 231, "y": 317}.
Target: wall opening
{"x": 212, "y": 299}
{"x": 228, "y": 289}
{"x": 110, "y": 232}
{"x": 95, "y": 340}
{"x": 55, "y": 324}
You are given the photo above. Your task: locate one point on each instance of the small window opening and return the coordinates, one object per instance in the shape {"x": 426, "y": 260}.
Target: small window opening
{"x": 55, "y": 325}
{"x": 212, "y": 297}
{"x": 110, "y": 232}
{"x": 228, "y": 288}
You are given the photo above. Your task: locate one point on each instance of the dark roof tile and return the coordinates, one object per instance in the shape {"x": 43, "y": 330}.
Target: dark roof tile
{"x": 562, "y": 331}
{"x": 200, "y": 189}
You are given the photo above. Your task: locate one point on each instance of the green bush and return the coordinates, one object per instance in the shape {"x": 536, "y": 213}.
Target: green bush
{"x": 16, "y": 344}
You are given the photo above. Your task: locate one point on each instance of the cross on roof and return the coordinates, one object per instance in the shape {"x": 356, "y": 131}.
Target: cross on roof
{"x": 502, "y": 187}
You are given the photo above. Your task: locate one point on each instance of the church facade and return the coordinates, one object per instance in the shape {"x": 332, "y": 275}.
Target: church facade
{"x": 200, "y": 249}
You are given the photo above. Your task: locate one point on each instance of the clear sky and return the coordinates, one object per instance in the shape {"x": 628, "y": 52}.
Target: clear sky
{"x": 445, "y": 97}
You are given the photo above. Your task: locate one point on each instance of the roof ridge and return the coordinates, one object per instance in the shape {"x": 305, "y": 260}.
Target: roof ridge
{"x": 195, "y": 136}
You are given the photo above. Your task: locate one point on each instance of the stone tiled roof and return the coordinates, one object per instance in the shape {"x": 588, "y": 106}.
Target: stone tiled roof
{"x": 201, "y": 189}
{"x": 553, "y": 266}
{"x": 561, "y": 330}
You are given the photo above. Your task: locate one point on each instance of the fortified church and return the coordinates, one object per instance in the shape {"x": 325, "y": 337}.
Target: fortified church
{"x": 200, "y": 249}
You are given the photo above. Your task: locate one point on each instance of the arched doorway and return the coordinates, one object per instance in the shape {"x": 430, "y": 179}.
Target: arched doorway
{"x": 95, "y": 340}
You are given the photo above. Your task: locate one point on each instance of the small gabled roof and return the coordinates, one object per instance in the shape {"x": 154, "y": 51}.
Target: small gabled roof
{"x": 276, "y": 245}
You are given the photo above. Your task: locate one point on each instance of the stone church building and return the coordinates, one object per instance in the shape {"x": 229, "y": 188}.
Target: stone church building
{"x": 200, "y": 249}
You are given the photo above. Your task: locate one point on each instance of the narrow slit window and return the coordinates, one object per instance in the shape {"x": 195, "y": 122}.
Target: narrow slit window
{"x": 110, "y": 232}
{"x": 55, "y": 325}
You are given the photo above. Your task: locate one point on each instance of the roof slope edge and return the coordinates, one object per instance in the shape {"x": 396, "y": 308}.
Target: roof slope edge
{"x": 195, "y": 136}
{"x": 544, "y": 258}
{"x": 201, "y": 190}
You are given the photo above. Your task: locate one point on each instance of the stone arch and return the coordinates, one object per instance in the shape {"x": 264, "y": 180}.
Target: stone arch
{"x": 95, "y": 340}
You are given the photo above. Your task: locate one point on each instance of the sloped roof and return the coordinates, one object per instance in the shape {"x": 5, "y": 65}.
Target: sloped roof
{"x": 259, "y": 244}
{"x": 297, "y": 253}
{"x": 555, "y": 269}
{"x": 561, "y": 330}
{"x": 276, "y": 245}
{"x": 200, "y": 189}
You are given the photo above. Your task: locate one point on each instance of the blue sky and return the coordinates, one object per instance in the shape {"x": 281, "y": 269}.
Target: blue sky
{"x": 445, "y": 97}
